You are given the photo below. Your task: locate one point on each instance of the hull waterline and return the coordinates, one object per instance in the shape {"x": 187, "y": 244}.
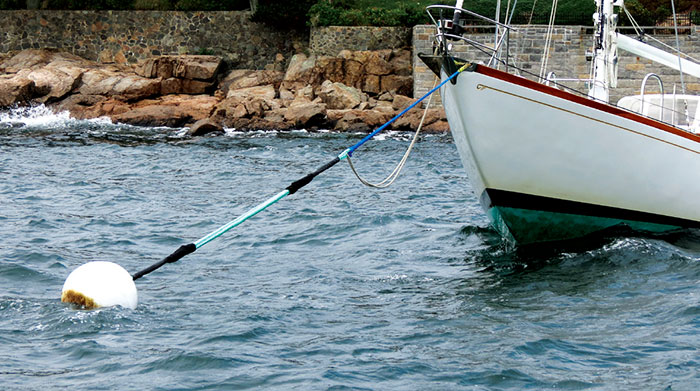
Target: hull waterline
{"x": 549, "y": 165}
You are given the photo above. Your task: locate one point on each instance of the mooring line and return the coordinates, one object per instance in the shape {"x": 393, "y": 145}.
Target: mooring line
{"x": 186, "y": 249}
{"x": 389, "y": 180}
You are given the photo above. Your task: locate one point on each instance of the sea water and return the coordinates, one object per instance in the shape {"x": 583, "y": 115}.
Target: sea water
{"x": 337, "y": 287}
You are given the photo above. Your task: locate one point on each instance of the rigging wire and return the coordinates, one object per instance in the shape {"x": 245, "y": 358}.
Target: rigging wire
{"x": 548, "y": 41}
{"x": 678, "y": 45}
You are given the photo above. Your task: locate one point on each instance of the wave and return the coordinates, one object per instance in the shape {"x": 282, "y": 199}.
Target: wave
{"x": 40, "y": 116}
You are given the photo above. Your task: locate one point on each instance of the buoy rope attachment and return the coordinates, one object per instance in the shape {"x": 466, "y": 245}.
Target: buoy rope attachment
{"x": 186, "y": 249}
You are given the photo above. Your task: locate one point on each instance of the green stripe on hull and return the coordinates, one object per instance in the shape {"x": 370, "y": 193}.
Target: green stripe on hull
{"x": 525, "y": 226}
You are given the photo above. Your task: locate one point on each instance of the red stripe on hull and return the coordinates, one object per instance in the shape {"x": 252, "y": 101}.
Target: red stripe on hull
{"x": 484, "y": 70}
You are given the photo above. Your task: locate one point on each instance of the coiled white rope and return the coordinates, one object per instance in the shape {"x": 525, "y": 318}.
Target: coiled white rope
{"x": 386, "y": 182}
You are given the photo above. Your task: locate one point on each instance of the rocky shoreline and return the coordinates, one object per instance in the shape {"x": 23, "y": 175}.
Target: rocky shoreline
{"x": 354, "y": 91}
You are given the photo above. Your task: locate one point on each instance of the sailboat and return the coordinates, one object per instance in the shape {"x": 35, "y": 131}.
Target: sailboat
{"x": 549, "y": 164}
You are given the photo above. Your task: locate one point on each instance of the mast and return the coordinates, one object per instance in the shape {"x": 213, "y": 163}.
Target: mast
{"x": 605, "y": 50}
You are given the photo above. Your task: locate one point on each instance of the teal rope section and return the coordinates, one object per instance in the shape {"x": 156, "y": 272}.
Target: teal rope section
{"x": 250, "y": 213}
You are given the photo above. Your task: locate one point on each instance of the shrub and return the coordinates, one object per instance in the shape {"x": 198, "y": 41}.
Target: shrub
{"x": 288, "y": 15}
{"x": 210, "y": 5}
{"x": 88, "y": 4}
{"x": 325, "y": 13}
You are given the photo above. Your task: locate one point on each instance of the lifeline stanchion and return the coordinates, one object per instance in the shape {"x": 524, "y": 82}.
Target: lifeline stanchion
{"x": 186, "y": 249}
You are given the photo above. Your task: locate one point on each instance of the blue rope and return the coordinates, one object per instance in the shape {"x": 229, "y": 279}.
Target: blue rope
{"x": 349, "y": 151}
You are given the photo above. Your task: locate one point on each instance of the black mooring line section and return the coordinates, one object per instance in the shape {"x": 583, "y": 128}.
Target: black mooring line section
{"x": 298, "y": 184}
{"x": 174, "y": 257}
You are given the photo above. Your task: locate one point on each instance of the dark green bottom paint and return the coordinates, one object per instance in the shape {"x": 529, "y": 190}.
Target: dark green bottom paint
{"x": 525, "y": 226}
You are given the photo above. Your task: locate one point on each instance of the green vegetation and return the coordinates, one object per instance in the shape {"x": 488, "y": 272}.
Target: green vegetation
{"x": 368, "y": 13}
{"x": 283, "y": 14}
{"x": 184, "y": 5}
{"x": 651, "y": 12}
{"x": 300, "y": 14}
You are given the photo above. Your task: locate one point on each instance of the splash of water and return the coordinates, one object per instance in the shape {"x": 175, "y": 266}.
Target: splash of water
{"x": 40, "y": 116}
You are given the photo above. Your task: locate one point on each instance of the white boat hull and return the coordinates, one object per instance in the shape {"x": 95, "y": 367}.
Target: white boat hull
{"x": 550, "y": 165}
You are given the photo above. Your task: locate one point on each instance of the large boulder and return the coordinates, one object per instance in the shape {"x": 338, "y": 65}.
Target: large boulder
{"x": 174, "y": 85}
{"x": 154, "y": 115}
{"x": 306, "y": 114}
{"x": 205, "y": 126}
{"x": 229, "y": 110}
{"x": 331, "y": 68}
{"x": 401, "y": 62}
{"x": 91, "y": 106}
{"x": 396, "y": 84}
{"x": 197, "y": 67}
{"x": 361, "y": 120}
{"x": 263, "y": 92}
{"x": 37, "y": 58}
{"x": 401, "y": 102}
{"x": 340, "y": 96}
{"x": 110, "y": 82}
{"x": 300, "y": 73}
{"x": 194, "y": 67}
{"x": 244, "y": 78}
{"x": 411, "y": 120}
{"x": 376, "y": 65}
{"x": 57, "y": 80}
{"x": 55, "y": 74}
{"x": 17, "y": 90}
{"x": 169, "y": 110}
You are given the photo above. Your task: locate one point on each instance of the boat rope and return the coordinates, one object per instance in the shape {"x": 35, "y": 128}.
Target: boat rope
{"x": 186, "y": 249}
{"x": 389, "y": 180}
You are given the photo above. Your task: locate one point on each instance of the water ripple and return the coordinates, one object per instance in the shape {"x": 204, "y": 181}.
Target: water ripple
{"x": 336, "y": 288}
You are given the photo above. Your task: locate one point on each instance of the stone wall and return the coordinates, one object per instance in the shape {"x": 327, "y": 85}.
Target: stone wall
{"x": 567, "y": 58}
{"x": 329, "y": 41}
{"x": 130, "y": 36}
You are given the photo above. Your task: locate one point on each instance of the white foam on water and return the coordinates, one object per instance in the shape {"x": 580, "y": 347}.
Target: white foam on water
{"x": 41, "y": 116}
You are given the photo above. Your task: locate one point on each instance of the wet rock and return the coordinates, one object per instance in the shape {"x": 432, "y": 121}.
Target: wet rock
{"x": 91, "y": 106}
{"x": 361, "y": 120}
{"x": 57, "y": 80}
{"x": 155, "y": 115}
{"x": 16, "y": 90}
{"x": 169, "y": 110}
{"x": 205, "y": 126}
{"x": 411, "y": 120}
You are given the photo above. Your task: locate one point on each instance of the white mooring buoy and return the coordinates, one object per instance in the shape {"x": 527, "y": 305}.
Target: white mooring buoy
{"x": 100, "y": 284}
